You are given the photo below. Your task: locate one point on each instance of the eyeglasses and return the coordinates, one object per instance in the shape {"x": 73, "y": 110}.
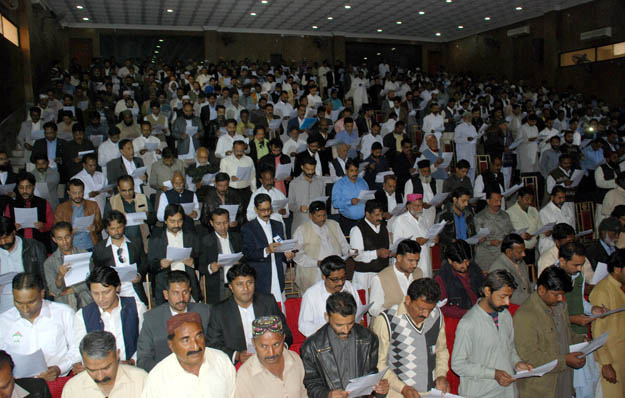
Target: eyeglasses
{"x": 120, "y": 258}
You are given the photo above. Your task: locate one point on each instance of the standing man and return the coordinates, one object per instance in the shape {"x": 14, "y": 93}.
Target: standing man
{"x": 484, "y": 355}
{"x": 188, "y": 131}
{"x": 525, "y": 216}
{"x": 499, "y": 225}
{"x": 557, "y": 211}
{"x": 78, "y": 206}
{"x": 126, "y": 165}
{"x": 460, "y": 221}
{"x": 511, "y": 259}
{"x": 412, "y": 342}
{"x": 302, "y": 190}
{"x": 528, "y": 150}
{"x": 466, "y": 142}
{"x": 232, "y": 163}
{"x": 93, "y": 180}
{"x": 345, "y": 197}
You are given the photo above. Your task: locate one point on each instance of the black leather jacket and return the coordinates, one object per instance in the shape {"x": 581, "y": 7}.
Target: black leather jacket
{"x": 321, "y": 370}
{"x": 33, "y": 256}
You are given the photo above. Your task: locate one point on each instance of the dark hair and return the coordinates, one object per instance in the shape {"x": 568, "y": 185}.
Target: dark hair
{"x": 498, "y": 279}
{"x": 351, "y": 162}
{"x": 309, "y": 160}
{"x": 61, "y": 225}
{"x": 113, "y": 215}
{"x": 219, "y": 177}
{"x": 220, "y": 212}
{"x": 618, "y": 212}
{"x": 240, "y": 269}
{"x": 24, "y": 175}
{"x": 78, "y": 127}
{"x": 177, "y": 277}
{"x": 555, "y": 278}
{"x": 104, "y": 275}
{"x": 167, "y": 153}
{"x": 492, "y": 189}
{"x": 7, "y": 226}
{"x": 50, "y": 125}
{"x": 458, "y": 251}
{"x": 90, "y": 156}
{"x": 408, "y": 246}
{"x": 617, "y": 260}
{"x": 122, "y": 143}
{"x": 511, "y": 240}
{"x": 331, "y": 264}
{"x": 525, "y": 191}
{"x": 6, "y": 358}
{"x": 173, "y": 209}
{"x": 341, "y": 303}
{"x": 317, "y": 206}
{"x": 460, "y": 191}
{"x": 40, "y": 156}
{"x": 261, "y": 198}
{"x": 75, "y": 182}
{"x": 372, "y": 205}
{"x": 277, "y": 142}
{"x": 27, "y": 280}
{"x": 557, "y": 189}
{"x": 126, "y": 178}
{"x": 561, "y": 231}
{"x": 426, "y": 288}
{"x": 570, "y": 249}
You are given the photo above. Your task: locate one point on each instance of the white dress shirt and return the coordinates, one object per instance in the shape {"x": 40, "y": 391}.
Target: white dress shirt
{"x": 112, "y": 323}
{"x": 52, "y": 332}
{"x": 333, "y": 169}
{"x": 406, "y": 226}
{"x": 225, "y": 144}
{"x": 552, "y": 213}
{"x": 311, "y": 315}
{"x": 107, "y": 151}
{"x": 434, "y": 123}
{"x": 176, "y": 241}
{"x": 376, "y": 295}
{"x": 230, "y": 164}
{"x": 551, "y": 183}
{"x": 126, "y": 290}
{"x": 275, "y": 194}
{"x": 247, "y": 317}
{"x": 366, "y": 143}
{"x": 391, "y": 200}
{"x": 275, "y": 283}
{"x": 163, "y": 202}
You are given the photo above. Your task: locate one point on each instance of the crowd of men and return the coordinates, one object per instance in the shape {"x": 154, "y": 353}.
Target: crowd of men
{"x": 184, "y": 195}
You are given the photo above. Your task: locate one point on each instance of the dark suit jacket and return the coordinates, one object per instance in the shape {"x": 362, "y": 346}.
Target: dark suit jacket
{"x": 103, "y": 256}
{"x": 299, "y": 160}
{"x": 209, "y": 254}
{"x": 40, "y": 147}
{"x": 38, "y": 388}
{"x": 11, "y": 179}
{"x": 152, "y": 343}
{"x": 595, "y": 253}
{"x": 157, "y": 249}
{"x": 115, "y": 168}
{"x": 254, "y": 244}
{"x": 293, "y": 123}
{"x": 401, "y": 167}
{"x": 225, "y": 329}
{"x": 268, "y": 161}
{"x": 361, "y": 123}
{"x": 70, "y": 152}
{"x": 380, "y": 197}
{"x": 212, "y": 202}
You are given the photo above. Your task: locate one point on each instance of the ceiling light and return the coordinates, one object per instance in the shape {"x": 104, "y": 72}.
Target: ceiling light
{"x": 264, "y": 1}
{"x": 398, "y": 22}
{"x": 486, "y": 18}
{"x": 158, "y": 46}
{"x": 393, "y": 49}
{"x": 460, "y": 27}
{"x": 365, "y": 58}
{"x": 253, "y": 14}
{"x": 315, "y": 27}
{"x": 80, "y": 7}
{"x": 330, "y": 18}
{"x": 347, "y": 6}
{"x": 85, "y": 18}
{"x": 421, "y": 12}
{"x": 519, "y": 8}
{"x": 379, "y": 30}
{"x": 437, "y": 33}
{"x": 378, "y": 54}
{"x": 161, "y": 40}
{"x": 170, "y": 10}
{"x": 155, "y": 51}
{"x": 448, "y": 1}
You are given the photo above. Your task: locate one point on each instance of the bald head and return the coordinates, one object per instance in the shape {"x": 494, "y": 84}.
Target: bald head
{"x": 202, "y": 156}
{"x": 178, "y": 181}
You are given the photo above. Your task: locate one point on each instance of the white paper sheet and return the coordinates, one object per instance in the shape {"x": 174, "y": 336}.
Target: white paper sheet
{"x": 275, "y": 124}
{"x": 536, "y": 372}
{"x": 5, "y": 189}
{"x": 151, "y": 146}
{"x": 611, "y": 312}
{"x": 447, "y": 158}
{"x": 286, "y": 245}
{"x": 379, "y": 178}
{"x": 26, "y": 217}
{"x": 434, "y": 393}
{"x": 188, "y": 207}
{"x": 232, "y": 211}
{"x": 37, "y": 135}
{"x": 516, "y": 143}
{"x": 83, "y": 153}
{"x": 512, "y": 190}
{"x": 364, "y": 385}
{"x": 79, "y": 268}
{"x": 244, "y": 173}
{"x": 29, "y": 365}
{"x": 482, "y": 233}
{"x": 229, "y": 259}
{"x": 399, "y": 209}
{"x": 332, "y": 142}
{"x": 107, "y": 188}
{"x": 168, "y": 184}
{"x": 362, "y": 311}
{"x": 139, "y": 171}
{"x": 588, "y": 347}
{"x": 520, "y": 231}
{"x": 191, "y": 130}
{"x": 576, "y": 178}
{"x": 137, "y": 218}
{"x": 82, "y": 223}
{"x": 438, "y": 199}
{"x": 178, "y": 253}
{"x": 545, "y": 228}
{"x": 127, "y": 273}
{"x": 283, "y": 171}
{"x": 601, "y": 272}
{"x": 279, "y": 204}
{"x": 435, "y": 230}
{"x": 208, "y": 178}
{"x": 365, "y": 195}
{"x": 584, "y": 233}
{"x": 96, "y": 140}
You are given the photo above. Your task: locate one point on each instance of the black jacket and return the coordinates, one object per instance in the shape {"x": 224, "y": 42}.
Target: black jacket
{"x": 322, "y": 374}
{"x": 254, "y": 244}
{"x": 33, "y": 255}
{"x": 208, "y": 255}
{"x": 448, "y": 234}
{"x": 595, "y": 253}
{"x": 40, "y": 147}
{"x": 225, "y": 329}
{"x": 212, "y": 202}
{"x": 380, "y": 197}
{"x": 37, "y": 388}
{"x": 269, "y": 161}
{"x": 103, "y": 256}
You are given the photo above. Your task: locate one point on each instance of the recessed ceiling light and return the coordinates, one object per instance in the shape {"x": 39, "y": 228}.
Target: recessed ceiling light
{"x": 460, "y": 27}
{"x": 80, "y": 7}
{"x": 437, "y": 33}
{"x": 161, "y": 40}
{"x": 315, "y": 27}
{"x": 365, "y": 58}
{"x": 85, "y": 18}
{"x": 253, "y": 14}
{"x": 448, "y": 1}
{"x": 379, "y": 30}
{"x": 155, "y": 51}
{"x": 170, "y": 10}
{"x": 347, "y": 6}
{"x": 378, "y": 54}
{"x": 393, "y": 49}
{"x": 421, "y": 12}
{"x": 330, "y": 18}
{"x": 158, "y": 46}
{"x": 398, "y": 22}
{"x": 519, "y": 8}
{"x": 264, "y": 1}
{"x": 486, "y": 18}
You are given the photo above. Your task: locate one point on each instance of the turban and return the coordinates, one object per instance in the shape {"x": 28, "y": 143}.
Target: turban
{"x": 264, "y": 324}
{"x": 411, "y": 197}
{"x": 176, "y": 321}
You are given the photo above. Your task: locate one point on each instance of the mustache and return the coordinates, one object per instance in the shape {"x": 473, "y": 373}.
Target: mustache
{"x": 189, "y": 353}
{"x": 500, "y": 308}
{"x": 104, "y": 380}
{"x": 272, "y": 358}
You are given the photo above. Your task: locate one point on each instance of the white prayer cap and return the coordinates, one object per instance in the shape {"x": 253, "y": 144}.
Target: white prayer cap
{"x": 186, "y": 97}
{"x": 127, "y": 93}
{"x": 43, "y": 96}
{"x": 186, "y": 72}
{"x": 264, "y": 93}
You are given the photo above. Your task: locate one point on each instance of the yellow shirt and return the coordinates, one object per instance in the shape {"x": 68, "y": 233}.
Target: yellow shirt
{"x": 608, "y": 292}
{"x": 128, "y": 384}
{"x": 254, "y": 380}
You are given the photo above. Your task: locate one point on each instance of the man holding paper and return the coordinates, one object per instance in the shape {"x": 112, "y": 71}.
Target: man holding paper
{"x": 226, "y": 141}
{"x": 302, "y": 190}
{"x": 525, "y": 217}
{"x": 542, "y": 333}
{"x": 498, "y": 224}
{"x": 345, "y": 197}
{"x": 423, "y": 184}
{"x": 439, "y": 161}
{"x": 241, "y": 170}
{"x": 74, "y": 150}
{"x": 599, "y": 251}
{"x": 459, "y": 220}
{"x": 182, "y": 196}
{"x": 610, "y": 293}
{"x": 512, "y": 260}
{"x": 188, "y": 131}
{"x": 219, "y": 195}
{"x": 82, "y": 213}
{"x": 556, "y": 211}
{"x": 162, "y": 171}
{"x": 340, "y": 351}
{"x": 48, "y": 177}
{"x": 281, "y": 211}
{"x": 565, "y": 176}
{"x": 94, "y": 181}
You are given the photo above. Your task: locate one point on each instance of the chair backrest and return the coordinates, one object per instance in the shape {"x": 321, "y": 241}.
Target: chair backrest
{"x": 292, "y": 307}
{"x": 56, "y": 386}
{"x": 363, "y": 299}
{"x": 585, "y": 219}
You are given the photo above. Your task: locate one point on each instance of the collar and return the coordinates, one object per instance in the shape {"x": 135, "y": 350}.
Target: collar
{"x": 373, "y": 227}
{"x": 109, "y": 241}
{"x": 263, "y": 223}
{"x": 219, "y": 236}
{"x": 19, "y": 392}
{"x": 256, "y": 367}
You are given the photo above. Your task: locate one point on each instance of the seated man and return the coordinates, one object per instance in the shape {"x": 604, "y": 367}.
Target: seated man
{"x": 340, "y": 351}
{"x": 412, "y": 342}
{"x": 333, "y": 280}
{"x": 286, "y": 370}
{"x": 460, "y": 219}
{"x": 36, "y": 324}
{"x": 302, "y": 190}
{"x": 151, "y": 345}
{"x": 126, "y": 164}
{"x": 460, "y": 280}
{"x": 376, "y": 163}
{"x": 345, "y": 197}
{"x": 105, "y": 375}
{"x": 182, "y": 196}
{"x": 18, "y": 255}
{"x": 173, "y": 234}
{"x": 122, "y": 316}
{"x": 174, "y": 375}
{"x": 119, "y": 251}
{"x": 218, "y": 240}
{"x": 199, "y": 169}
{"x": 78, "y": 206}
{"x": 389, "y": 286}
{"x": 232, "y": 334}
{"x": 499, "y": 225}
{"x": 24, "y": 387}
{"x": 317, "y": 239}
{"x": 423, "y": 184}
{"x": 93, "y": 180}
{"x": 489, "y": 178}
{"x": 54, "y": 268}
{"x": 219, "y": 195}
{"x": 525, "y": 216}
{"x": 45, "y": 174}
{"x": 511, "y": 259}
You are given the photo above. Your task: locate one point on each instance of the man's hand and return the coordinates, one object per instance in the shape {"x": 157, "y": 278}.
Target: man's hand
{"x": 412, "y": 170}
{"x": 438, "y": 161}
{"x": 234, "y": 178}
{"x": 64, "y": 269}
{"x": 532, "y": 139}
{"x": 387, "y": 216}
{"x": 289, "y": 255}
{"x": 355, "y": 201}
{"x": 77, "y": 159}
{"x": 77, "y": 367}
{"x": 608, "y": 373}
{"x": 164, "y": 188}
{"x": 409, "y": 392}
{"x": 185, "y": 136}
{"x": 427, "y": 205}
{"x": 243, "y": 356}
{"x": 567, "y": 183}
{"x": 469, "y": 139}
{"x": 338, "y": 394}
{"x": 442, "y": 384}
{"x": 282, "y": 212}
{"x": 234, "y": 224}
{"x": 503, "y": 378}
{"x": 93, "y": 194}
{"x": 215, "y": 266}
{"x": 495, "y": 242}
{"x": 421, "y": 241}
{"x": 90, "y": 228}
{"x": 51, "y": 374}
{"x": 548, "y": 233}
{"x": 193, "y": 214}
{"x": 228, "y": 153}
{"x": 382, "y": 387}
{"x": 28, "y": 146}
{"x": 526, "y": 236}
{"x": 581, "y": 319}
{"x": 69, "y": 290}
{"x": 143, "y": 178}
{"x": 522, "y": 365}
{"x": 303, "y": 209}
{"x": 18, "y": 226}
{"x": 575, "y": 360}
{"x": 165, "y": 263}
{"x": 272, "y": 247}
{"x": 158, "y": 151}
{"x": 130, "y": 362}
{"x": 596, "y": 310}
{"x": 188, "y": 262}
{"x": 383, "y": 253}
{"x": 143, "y": 151}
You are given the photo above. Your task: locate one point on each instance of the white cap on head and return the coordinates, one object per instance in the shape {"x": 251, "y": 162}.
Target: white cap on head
{"x": 43, "y": 96}
{"x": 186, "y": 97}
{"x": 127, "y": 93}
